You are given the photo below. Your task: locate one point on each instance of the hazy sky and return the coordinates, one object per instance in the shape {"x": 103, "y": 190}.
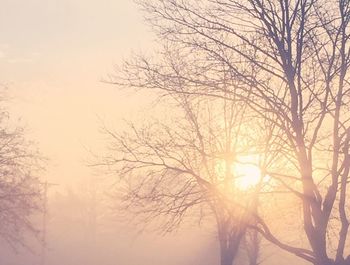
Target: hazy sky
{"x": 53, "y": 55}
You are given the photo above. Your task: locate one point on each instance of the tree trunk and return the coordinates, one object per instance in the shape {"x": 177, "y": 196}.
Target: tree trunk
{"x": 226, "y": 257}
{"x": 325, "y": 261}
{"x": 229, "y": 250}
{"x": 342, "y": 261}
{"x": 229, "y": 243}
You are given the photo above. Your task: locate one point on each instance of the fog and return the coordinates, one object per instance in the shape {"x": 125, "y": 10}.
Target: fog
{"x": 54, "y": 58}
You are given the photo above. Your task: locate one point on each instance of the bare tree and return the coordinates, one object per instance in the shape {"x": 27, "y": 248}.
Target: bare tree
{"x": 288, "y": 61}
{"x": 252, "y": 246}
{"x": 183, "y": 168}
{"x": 20, "y": 189}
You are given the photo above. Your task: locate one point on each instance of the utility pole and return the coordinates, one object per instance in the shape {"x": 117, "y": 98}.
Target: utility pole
{"x": 44, "y": 222}
{"x": 92, "y": 218}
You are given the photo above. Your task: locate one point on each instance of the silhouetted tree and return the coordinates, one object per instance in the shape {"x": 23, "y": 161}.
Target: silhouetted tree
{"x": 288, "y": 61}
{"x": 20, "y": 189}
{"x": 184, "y": 168}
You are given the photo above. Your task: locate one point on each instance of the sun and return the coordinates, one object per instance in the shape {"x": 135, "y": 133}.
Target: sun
{"x": 245, "y": 172}
{"x": 246, "y": 175}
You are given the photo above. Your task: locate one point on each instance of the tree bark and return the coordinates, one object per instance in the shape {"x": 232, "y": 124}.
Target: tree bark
{"x": 229, "y": 250}
{"x": 230, "y": 239}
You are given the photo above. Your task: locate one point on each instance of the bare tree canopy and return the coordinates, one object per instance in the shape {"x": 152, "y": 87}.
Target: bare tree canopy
{"x": 288, "y": 62}
{"x": 20, "y": 188}
{"x": 182, "y": 170}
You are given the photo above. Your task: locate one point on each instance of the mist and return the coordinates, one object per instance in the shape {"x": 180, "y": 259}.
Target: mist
{"x": 174, "y": 132}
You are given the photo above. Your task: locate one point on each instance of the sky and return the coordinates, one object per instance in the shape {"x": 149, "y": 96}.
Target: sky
{"x": 54, "y": 55}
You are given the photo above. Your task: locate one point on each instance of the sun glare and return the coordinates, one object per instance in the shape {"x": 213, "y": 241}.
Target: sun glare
{"x": 246, "y": 175}
{"x": 245, "y": 172}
